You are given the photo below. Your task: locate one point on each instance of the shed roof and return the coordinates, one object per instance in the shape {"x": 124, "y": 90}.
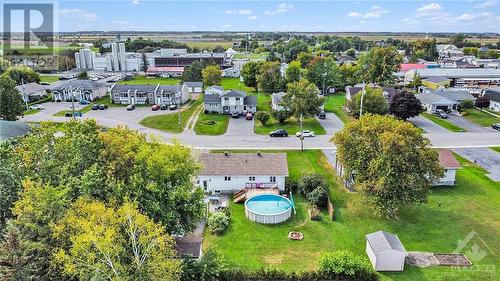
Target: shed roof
{"x": 194, "y": 84}
{"x": 234, "y": 164}
{"x": 382, "y": 241}
{"x": 447, "y": 159}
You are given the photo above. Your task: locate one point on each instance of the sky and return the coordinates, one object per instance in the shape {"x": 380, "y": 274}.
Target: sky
{"x": 301, "y": 16}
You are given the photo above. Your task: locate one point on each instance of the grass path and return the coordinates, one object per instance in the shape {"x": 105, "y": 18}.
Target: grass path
{"x": 170, "y": 122}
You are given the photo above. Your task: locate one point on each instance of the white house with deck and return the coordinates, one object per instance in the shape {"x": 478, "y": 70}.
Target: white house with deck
{"x": 232, "y": 172}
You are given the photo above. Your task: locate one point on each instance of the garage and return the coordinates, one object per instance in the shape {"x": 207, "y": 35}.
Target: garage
{"x": 385, "y": 251}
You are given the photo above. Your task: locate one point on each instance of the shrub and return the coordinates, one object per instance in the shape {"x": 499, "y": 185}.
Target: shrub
{"x": 218, "y": 222}
{"x": 205, "y": 111}
{"x": 310, "y": 182}
{"x": 345, "y": 265}
{"x": 291, "y": 184}
{"x": 209, "y": 122}
{"x": 281, "y": 115}
{"x": 482, "y": 102}
{"x": 319, "y": 196}
{"x": 208, "y": 268}
{"x": 465, "y": 104}
{"x": 314, "y": 213}
{"x": 263, "y": 117}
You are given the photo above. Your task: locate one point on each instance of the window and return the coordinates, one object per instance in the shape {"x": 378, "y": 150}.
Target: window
{"x": 272, "y": 179}
{"x": 227, "y": 178}
{"x": 226, "y": 99}
{"x": 251, "y": 178}
{"x": 237, "y": 99}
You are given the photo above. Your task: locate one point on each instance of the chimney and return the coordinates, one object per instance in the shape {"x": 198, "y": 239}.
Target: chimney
{"x": 226, "y": 153}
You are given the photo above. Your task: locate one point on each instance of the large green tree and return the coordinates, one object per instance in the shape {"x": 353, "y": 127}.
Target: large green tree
{"x": 212, "y": 75}
{"x": 379, "y": 65}
{"x": 392, "y": 162}
{"x": 373, "y": 102}
{"x": 22, "y": 74}
{"x": 302, "y": 99}
{"x": 323, "y": 71}
{"x": 105, "y": 243}
{"x": 193, "y": 72}
{"x": 10, "y": 182}
{"x": 294, "y": 72}
{"x": 11, "y": 102}
{"x": 269, "y": 79}
{"x": 249, "y": 72}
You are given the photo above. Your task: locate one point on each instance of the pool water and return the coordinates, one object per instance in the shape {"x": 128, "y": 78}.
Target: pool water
{"x": 268, "y": 204}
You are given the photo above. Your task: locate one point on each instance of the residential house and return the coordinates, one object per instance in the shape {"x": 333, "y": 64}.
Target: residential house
{"x": 283, "y": 68}
{"x": 13, "y": 129}
{"x": 31, "y": 91}
{"x": 493, "y": 94}
{"x": 432, "y": 102}
{"x": 78, "y": 90}
{"x": 351, "y": 91}
{"x": 214, "y": 90}
{"x": 165, "y": 71}
{"x": 231, "y": 72}
{"x": 448, "y": 50}
{"x": 385, "y": 251}
{"x": 277, "y": 100}
{"x": 193, "y": 88}
{"x": 455, "y": 94}
{"x": 230, "y": 52}
{"x": 147, "y": 94}
{"x": 229, "y": 102}
{"x": 450, "y": 165}
{"x": 345, "y": 59}
{"x": 232, "y": 172}
{"x": 436, "y": 82}
{"x": 482, "y": 76}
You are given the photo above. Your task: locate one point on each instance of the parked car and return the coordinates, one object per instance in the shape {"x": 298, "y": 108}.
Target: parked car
{"x": 173, "y": 107}
{"x": 36, "y": 106}
{"x": 95, "y": 107}
{"x": 279, "y": 133}
{"x": 496, "y": 126}
{"x": 69, "y": 114}
{"x": 441, "y": 114}
{"x": 130, "y": 107}
{"x": 322, "y": 115}
{"x": 163, "y": 106}
{"x": 45, "y": 83}
{"x": 84, "y": 102}
{"x": 305, "y": 134}
{"x": 235, "y": 115}
{"x": 103, "y": 106}
{"x": 155, "y": 107}
{"x": 249, "y": 116}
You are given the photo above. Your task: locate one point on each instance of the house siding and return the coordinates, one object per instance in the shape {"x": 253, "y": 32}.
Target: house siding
{"x": 217, "y": 183}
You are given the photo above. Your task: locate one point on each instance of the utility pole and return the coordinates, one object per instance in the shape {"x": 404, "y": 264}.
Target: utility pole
{"x": 179, "y": 106}
{"x": 361, "y": 104}
{"x": 301, "y": 133}
{"x": 24, "y": 94}
{"x": 72, "y": 99}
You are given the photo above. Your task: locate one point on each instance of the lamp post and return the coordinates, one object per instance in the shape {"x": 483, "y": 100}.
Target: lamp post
{"x": 24, "y": 93}
{"x": 178, "y": 95}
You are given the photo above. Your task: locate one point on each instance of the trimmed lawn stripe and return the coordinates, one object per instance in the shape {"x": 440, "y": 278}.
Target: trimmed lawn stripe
{"x": 442, "y": 122}
{"x": 481, "y": 118}
{"x": 203, "y": 127}
{"x": 169, "y": 122}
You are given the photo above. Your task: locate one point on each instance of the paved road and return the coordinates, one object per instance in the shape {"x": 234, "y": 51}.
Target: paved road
{"x": 465, "y": 124}
{"x": 332, "y": 123}
{"x": 119, "y": 116}
{"x": 484, "y": 157}
{"x": 427, "y": 125}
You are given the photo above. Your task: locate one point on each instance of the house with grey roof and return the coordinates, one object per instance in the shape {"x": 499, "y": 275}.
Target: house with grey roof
{"x": 147, "y": 94}
{"x": 493, "y": 95}
{"x": 432, "y": 102}
{"x": 214, "y": 90}
{"x": 229, "y": 102}
{"x": 231, "y": 172}
{"x": 79, "y": 90}
{"x": 193, "y": 88}
{"x": 458, "y": 95}
{"x": 385, "y": 251}
{"x": 31, "y": 91}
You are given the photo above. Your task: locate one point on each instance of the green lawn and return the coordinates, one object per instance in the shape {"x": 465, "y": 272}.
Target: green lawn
{"x": 30, "y": 111}
{"x": 170, "y": 122}
{"x": 49, "y": 78}
{"x": 334, "y": 103}
{"x": 211, "y": 124}
{"x": 235, "y": 84}
{"x": 442, "y": 122}
{"x": 472, "y": 205}
{"x": 254, "y": 56}
{"x": 144, "y": 80}
{"x": 481, "y": 118}
{"x": 291, "y": 125}
{"x": 497, "y": 149}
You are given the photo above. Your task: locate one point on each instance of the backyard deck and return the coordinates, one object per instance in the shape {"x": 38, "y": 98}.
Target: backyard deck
{"x": 246, "y": 193}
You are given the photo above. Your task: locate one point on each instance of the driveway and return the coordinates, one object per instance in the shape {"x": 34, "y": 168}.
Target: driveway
{"x": 427, "y": 125}
{"x": 487, "y": 158}
{"x": 465, "y": 124}
{"x": 332, "y": 123}
{"x": 240, "y": 127}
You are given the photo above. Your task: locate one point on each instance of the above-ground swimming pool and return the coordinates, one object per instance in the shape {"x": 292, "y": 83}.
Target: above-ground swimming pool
{"x": 268, "y": 208}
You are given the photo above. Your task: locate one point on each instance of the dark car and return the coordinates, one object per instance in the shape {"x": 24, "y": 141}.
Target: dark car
{"x": 95, "y": 107}
{"x": 130, "y": 107}
{"x": 249, "y": 116}
{"x": 163, "y": 106}
{"x": 155, "y": 107}
{"x": 69, "y": 114}
{"x": 496, "y": 126}
{"x": 441, "y": 114}
{"x": 173, "y": 107}
{"x": 279, "y": 133}
{"x": 322, "y": 115}
{"x": 103, "y": 106}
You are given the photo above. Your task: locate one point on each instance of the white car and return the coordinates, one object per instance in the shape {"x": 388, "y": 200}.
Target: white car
{"x": 305, "y": 133}
{"x": 36, "y": 106}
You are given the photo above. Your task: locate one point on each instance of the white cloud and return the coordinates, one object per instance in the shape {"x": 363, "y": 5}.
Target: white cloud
{"x": 280, "y": 9}
{"x": 136, "y": 2}
{"x": 252, "y": 17}
{"x": 77, "y": 14}
{"x": 375, "y": 12}
{"x": 486, "y": 4}
{"x": 430, "y": 9}
{"x": 240, "y": 12}
{"x": 227, "y": 26}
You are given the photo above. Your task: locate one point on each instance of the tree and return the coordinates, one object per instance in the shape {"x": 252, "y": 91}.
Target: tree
{"x": 281, "y": 115}
{"x": 193, "y": 72}
{"x": 324, "y": 72}
{"x": 263, "y": 117}
{"x": 218, "y": 222}
{"x": 351, "y": 52}
{"x": 302, "y": 99}
{"x": 83, "y": 75}
{"x": 424, "y": 49}
{"x": 481, "y": 102}
{"x": 145, "y": 63}
{"x": 405, "y": 105}
{"x": 373, "y": 102}
{"x": 212, "y": 75}
{"x": 14, "y": 263}
{"x": 304, "y": 58}
{"x": 348, "y": 74}
{"x": 465, "y": 104}
{"x": 22, "y": 74}
{"x": 249, "y": 72}
{"x": 10, "y": 183}
{"x": 379, "y": 65}
{"x": 471, "y": 51}
{"x": 292, "y": 48}
{"x": 11, "y": 102}
{"x": 208, "y": 268}
{"x": 416, "y": 81}
{"x": 294, "y": 72}
{"x": 391, "y": 162}
{"x": 269, "y": 79}
{"x": 99, "y": 242}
